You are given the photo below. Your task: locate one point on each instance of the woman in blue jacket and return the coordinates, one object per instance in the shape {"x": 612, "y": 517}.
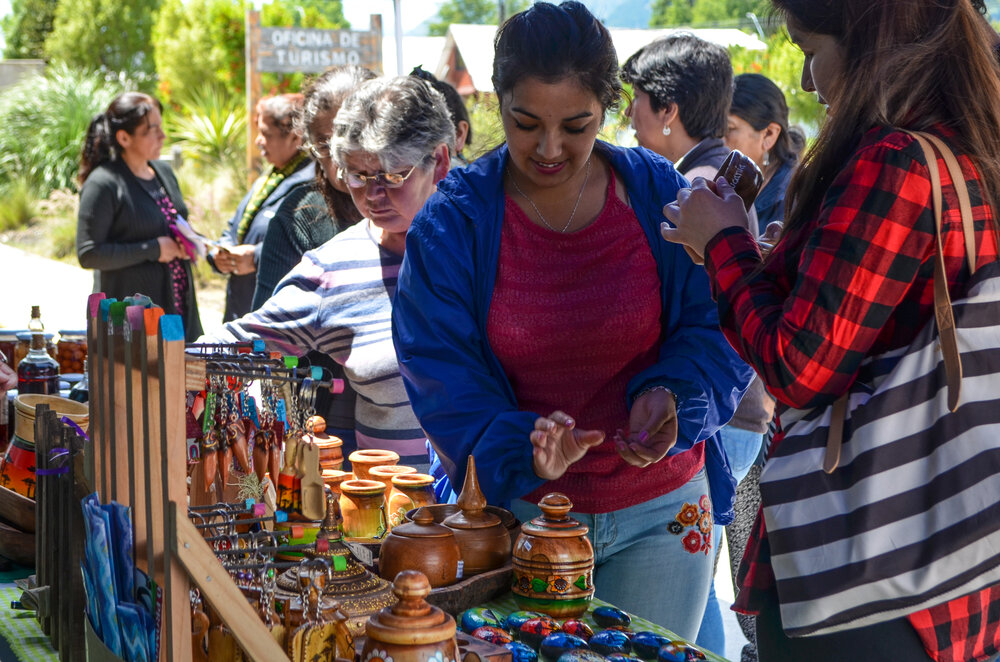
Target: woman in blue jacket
{"x": 542, "y": 327}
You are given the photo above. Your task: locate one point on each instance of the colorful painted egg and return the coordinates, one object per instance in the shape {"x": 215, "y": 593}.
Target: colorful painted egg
{"x": 477, "y": 617}
{"x": 607, "y": 642}
{"x": 516, "y": 619}
{"x": 493, "y": 635}
{"x": 581, "y": 655}
{"x": 621, "y": 657}
{"x": 678, "y": 651}
{"x": 607, "y": 616}
{"x": 577, "y": 627}
{"x": 558, "y": 643}
{"x": 647, "y": 644}
{"x": 521, "y": 652}
{"x": 533, "y": 630}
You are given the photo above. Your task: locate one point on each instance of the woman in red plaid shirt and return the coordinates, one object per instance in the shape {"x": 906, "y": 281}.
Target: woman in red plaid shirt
{"x": 852, "y": 276}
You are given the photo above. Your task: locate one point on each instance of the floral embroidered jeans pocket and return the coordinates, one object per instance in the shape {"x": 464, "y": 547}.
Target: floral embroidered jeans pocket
{"x": 696, "y": 519}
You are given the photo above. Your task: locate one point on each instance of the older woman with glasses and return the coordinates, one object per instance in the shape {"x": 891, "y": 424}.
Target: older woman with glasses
{"x": 390, "y": 143}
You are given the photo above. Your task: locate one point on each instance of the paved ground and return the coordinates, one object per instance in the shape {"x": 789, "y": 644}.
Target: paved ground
{"x": 61, "y": 290}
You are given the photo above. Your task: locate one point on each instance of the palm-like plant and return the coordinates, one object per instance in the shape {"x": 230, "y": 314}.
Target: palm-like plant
{"x": 211, "y": 130}
{"x": 45, "y": 120}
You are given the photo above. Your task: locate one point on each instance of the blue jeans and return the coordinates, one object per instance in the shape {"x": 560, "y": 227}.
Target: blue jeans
{"x": 651, "y": 559}
{"x": 742, "y": 448}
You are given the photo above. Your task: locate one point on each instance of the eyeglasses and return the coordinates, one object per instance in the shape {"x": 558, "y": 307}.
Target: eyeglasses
{"x": 386, "y": 179}
{"x": 318, "y": 152}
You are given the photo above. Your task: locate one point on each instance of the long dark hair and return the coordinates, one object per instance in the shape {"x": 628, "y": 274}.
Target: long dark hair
{"x": 908, "y": 64}
{"x": 322, "y": 94}
{"x": 552, "y": 42}
{"x": 758, "y": 102}
{"x": 126, "y": 112}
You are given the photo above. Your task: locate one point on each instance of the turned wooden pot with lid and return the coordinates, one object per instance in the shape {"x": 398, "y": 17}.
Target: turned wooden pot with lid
{"x": 481, "y": 535}
{"x": 554, "y": 562}
{"x": 411, "y": 630}
{"x": 422, "y": 545}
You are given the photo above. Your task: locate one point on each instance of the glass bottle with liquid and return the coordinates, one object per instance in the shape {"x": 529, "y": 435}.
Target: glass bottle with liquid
{"x": 81, "y": 390}
{"x": 37, "y": 372}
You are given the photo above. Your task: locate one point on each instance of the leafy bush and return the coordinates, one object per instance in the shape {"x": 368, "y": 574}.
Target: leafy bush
{"x": 212, "y": 132}
{"x": 17, "y": 204}
{"x": 45, "y": 120}
{"x": 58, "y": 215}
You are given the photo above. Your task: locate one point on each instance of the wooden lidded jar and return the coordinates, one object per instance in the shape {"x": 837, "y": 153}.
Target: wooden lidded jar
{"x": 422, "y": 545}
{"x": 481, "y": 535}
{"x": 554, "y": 562}
{"x": 366, "y": 458}
{"x": 411, "y": 630}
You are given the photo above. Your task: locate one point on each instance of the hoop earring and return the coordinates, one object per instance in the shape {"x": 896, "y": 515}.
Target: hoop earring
{"x": 666, "y": 130}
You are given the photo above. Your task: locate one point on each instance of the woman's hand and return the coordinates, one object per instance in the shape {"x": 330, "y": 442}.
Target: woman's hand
{"x": 558, "y": 444}
{"x": 701, "y": 212}
{"x": 242, "y": 259}
{"x": 653, "y": 425}
{"x": 170, "y": 250}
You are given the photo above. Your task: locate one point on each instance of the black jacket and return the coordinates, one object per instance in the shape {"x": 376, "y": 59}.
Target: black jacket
{"x": 116, "y": 235}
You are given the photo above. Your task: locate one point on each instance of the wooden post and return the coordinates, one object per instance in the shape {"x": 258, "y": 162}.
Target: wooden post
{"x": 136, "y": 391}
{"x": 94, "y": 379}
{"x": 376, "y": 28}
{"x": 44, "y": 508}
{"x": 173, "y": 468}
{"x": 253, "y": 91}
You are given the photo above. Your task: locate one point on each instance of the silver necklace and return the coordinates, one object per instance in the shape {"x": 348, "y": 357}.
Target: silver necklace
{"x": 535, "y": 207}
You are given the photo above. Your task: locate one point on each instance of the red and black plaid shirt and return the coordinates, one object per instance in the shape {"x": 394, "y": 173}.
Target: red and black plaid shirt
{"x": 855, "y": 282}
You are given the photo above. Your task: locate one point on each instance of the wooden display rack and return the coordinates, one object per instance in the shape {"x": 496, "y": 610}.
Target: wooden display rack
{"x": 137, "y": 457}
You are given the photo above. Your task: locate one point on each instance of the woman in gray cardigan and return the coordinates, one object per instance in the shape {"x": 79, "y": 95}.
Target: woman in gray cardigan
{"x": 129, "y": 203}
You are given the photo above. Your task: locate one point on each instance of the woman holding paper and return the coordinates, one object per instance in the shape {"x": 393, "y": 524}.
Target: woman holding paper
{"x": 131, "y": 211}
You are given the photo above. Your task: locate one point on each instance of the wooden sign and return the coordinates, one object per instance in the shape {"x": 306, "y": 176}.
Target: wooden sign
{"x": 305, "y": 50}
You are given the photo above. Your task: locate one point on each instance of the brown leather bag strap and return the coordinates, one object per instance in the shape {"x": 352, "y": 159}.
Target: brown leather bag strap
{"x": 943, "y": 313}
{"x": 964, "y": 202}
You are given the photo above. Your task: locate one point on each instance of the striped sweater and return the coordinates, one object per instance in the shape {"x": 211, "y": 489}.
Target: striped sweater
{"x": 338, "y": 301}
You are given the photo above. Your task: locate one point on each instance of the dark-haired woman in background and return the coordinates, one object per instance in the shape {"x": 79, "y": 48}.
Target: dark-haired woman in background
{"x": 541, "y": 328}
{"x": 758, "y": 127}
{"x": 289, "y": 169}
{"x": 459, "y": 114}
{"x": 310, "y": 215}
{"x": 129, "y": 201}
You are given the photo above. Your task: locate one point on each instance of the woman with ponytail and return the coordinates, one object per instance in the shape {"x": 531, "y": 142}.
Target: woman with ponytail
{"x": 848, "y": 290}
{"x": 130, "y": 204}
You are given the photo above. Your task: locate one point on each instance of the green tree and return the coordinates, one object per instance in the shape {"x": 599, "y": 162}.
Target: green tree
{"x": 106, "y": 35}
{"x": 202, "y": 41}
{"x": 669, "y": 13}
{"x": 782, "y": 63}
{"x": 26, "y": 27}
{"x": 481, "y": 12}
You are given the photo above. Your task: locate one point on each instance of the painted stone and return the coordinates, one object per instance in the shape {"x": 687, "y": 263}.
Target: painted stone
{"x": 494, "y": 635}
{"x": 607, "y": 642}
{"x": 577, "y": 627}
{"x": 521, "y": 652}
{"x": 516, "y": 619}
{"x": 647, "y": 644}
{"x": 477, "y": 617}
{"x": 607, "y": 616}
{"x": 558, "y": 643}
{"x": 581, "y": 655}
{"x": 621, "y": 657}
{"x": 678, "y": 651}
{"x": 533, "y": 630}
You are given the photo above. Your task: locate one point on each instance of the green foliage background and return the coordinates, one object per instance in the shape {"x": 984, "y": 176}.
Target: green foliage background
{"x": 476, "y": 12}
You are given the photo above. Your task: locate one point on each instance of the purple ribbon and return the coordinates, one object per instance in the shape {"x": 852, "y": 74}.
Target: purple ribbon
{"x": 56, "y": 454}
